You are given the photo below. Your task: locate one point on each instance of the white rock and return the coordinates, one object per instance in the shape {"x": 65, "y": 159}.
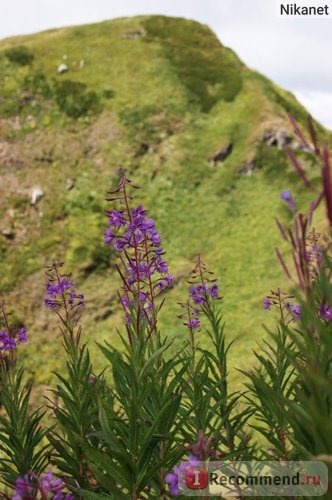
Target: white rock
{"x": 7, "y": 233}
{"x": 81, "y": 65}
{"x": 36, "y": 195}
{"x": 70, "y": 183}
{"x": 62, "y": 68}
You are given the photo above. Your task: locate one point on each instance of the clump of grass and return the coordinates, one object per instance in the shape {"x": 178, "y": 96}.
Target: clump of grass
{"x": 20, "y": 55}
{"x": 74, "y": 99}
{"x": 38, "y": 83}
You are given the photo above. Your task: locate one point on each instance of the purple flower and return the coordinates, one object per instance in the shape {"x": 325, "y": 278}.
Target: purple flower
{"x": 173, "y": 480}
{"x": 161, "y": 285}
{"x": 51, "y": 304}
{"x": 119, "y": 245}
{"x": 294, "y": 309}
{"x": 148, "y": 225}
{"x": 193, "y": 323}
{"x": 155, "y": 238}
{"x": 214, "y": 291}
{"x": 116, "y": 219}
{"x": 165, "y": 282}
{"x": 139, "y": 212}
{"x": 54, "y": 289}
{"x": 128, "y": 319}
{"x": 161, "y": 266}
{"x": 60, "y": 289}
{"x": 142, "y": 297}
{"x": 267, "y": 303}
{"x": 49, "y": 484}
{"x": 199, "y": 300}
{"x": 199, "y": 294}
{"x": 72, "y": 296}
{"x": 147, "y": 308}
{"x": 169, "y": 279}
{"x": 286, "y": 196}
{"x": 22, "y": 335}
{"x": 8, "y": 343}
{"x": 63, "y": 496}
{"x": 80, "y": 297}
{"x": 126, "y": 302}
{"x": 178, "y": 473}
{"x": 325, "y": 312}
{"x": 202, "y": 294}
{"x": 108, "y": 236}
{"x": 201, "y": 289}
{"x": 30, "y": 485}
{"x": 23, "y": 486}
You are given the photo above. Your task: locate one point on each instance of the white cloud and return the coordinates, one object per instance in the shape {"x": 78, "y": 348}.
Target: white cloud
{"x": 292, "y": 55}
{"x": 318, "y": 103}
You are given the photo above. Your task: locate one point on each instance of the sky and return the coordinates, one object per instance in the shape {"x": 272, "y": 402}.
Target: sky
{"x": 294, "y": 53}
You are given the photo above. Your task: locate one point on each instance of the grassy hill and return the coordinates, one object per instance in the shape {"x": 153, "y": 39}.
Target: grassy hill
{"x": 158, "y": 97}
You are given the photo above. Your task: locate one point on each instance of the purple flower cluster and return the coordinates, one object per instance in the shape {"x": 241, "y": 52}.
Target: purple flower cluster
{"x": 202, "y": 292}
{"x": 8, "y": 342}
{"x": 325, "y": 313}
{"x": 281, "y": 301}
{"x": 30, "y": 485}
{"x": 11, "y": 335}
{"x": 267, "y": 303}
{"x": 131, "y": 229}
{"x": 144, "y": 272}
{"x": 294, "y": 309}
{"x": 62, "y": 289}
{"x": 178, "y": 474}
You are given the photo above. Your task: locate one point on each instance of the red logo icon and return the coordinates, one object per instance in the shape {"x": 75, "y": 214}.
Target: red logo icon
{"x": 197, "y": 478}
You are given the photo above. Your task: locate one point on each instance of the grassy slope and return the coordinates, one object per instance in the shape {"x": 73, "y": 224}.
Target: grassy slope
{"x": 182, "y": 93}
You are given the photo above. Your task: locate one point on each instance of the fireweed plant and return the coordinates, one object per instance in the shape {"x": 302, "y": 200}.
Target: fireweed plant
{"x": 134, "y": 429}
{"x": 291, "y": 388}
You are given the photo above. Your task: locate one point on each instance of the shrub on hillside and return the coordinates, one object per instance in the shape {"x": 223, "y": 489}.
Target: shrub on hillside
{"x": 37, "y": 82}
{"x": 20, "y": 55}
{"x": 74, "y": 99}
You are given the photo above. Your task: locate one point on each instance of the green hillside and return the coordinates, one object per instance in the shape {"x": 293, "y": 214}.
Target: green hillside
{"x": 158, "y": 97}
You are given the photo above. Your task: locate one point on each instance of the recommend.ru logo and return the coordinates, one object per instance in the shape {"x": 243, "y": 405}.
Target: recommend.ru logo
{"x": 230, "y": 478}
